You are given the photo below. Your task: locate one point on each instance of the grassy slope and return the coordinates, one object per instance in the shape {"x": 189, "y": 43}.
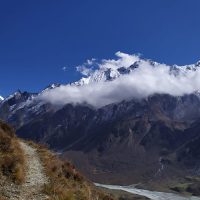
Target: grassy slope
{"x": 12, "y": 161}
{"x": 11, "y": 156}
{"x": 65, "y": 182}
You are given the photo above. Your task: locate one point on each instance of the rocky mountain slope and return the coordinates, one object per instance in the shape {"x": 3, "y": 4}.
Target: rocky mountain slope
{"x": 29, "y": 171}
{"x": 136, "y": 138}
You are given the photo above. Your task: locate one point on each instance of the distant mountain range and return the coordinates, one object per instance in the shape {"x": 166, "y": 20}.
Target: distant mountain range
{"x": 126, "y": 142}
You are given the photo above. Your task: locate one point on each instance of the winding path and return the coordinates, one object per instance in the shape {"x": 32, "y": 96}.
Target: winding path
{"x": 35, "y": 178}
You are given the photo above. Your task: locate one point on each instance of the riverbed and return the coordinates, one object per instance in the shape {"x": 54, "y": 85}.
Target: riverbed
{"x": 154, "y": 195}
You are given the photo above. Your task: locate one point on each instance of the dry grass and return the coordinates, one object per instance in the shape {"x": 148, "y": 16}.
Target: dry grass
{"x": 65, "y": 182}
{"x": 11, "y": 156}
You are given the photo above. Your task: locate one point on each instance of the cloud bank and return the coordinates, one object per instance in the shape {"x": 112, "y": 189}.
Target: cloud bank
{"x": 143, "y": 81}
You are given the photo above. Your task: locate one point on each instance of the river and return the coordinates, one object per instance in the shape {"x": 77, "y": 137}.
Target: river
{"x": 154, "y": 195}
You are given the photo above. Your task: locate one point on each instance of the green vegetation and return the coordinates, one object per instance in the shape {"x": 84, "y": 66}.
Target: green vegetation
{"x": 190, "y": 185}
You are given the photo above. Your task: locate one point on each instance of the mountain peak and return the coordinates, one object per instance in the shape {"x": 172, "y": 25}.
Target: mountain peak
{"x": 51, "y": 86}
{"x": 1, "y": 98}
{"x": 114, "y": 69}
{"x": 197, "y": 64}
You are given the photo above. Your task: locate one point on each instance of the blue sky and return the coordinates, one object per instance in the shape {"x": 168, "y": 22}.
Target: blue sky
{"x": 39, "y": 38}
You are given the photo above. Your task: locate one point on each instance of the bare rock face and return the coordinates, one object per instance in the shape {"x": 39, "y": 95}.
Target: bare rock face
{"x": 122, "y": 142}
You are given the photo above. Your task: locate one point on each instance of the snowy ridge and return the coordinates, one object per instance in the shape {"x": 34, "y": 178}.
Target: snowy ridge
{"x": 105, "y": 72}
{"x": 1, "y": 98}
{"x": 50, "y": 87}
{"x": 109, "y": 74}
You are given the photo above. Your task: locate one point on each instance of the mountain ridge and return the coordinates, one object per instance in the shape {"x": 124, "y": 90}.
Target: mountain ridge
{"x": 136, "y": 135}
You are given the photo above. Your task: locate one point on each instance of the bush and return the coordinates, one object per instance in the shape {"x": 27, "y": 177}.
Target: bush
{"x": 65, "y": 182}
{"x": 11, "y": 155}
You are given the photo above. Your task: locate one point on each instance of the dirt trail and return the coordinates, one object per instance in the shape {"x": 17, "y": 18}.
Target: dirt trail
{"x": 35, "y": 178}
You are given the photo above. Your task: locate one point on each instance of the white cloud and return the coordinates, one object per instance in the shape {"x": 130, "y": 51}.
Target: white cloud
{"x": 90, "y": 61}
{"x": 64, "y": 69}
{"x": 86, "y": 68}
{"x": 124, "y": 60}
{"x": 142, "y": 82}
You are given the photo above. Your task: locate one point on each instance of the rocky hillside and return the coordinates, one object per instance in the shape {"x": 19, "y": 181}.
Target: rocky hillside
{"x": 30, "y": 171}
{"x": 137, "y": 138}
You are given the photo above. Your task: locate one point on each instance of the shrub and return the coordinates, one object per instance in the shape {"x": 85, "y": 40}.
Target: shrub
{"x": 11, "y": 155}
{"x": 65, "y": 182}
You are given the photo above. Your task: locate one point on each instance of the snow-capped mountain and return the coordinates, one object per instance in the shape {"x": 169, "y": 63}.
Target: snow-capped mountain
{"x": 30, "y": 105}
{"x": 109, "y": 74}
{"x": 1, "y": 98}
{"x": 50, "y": 87}
{"x": 140, "y": 131}
{"x": 98, "y": 76}
{"x": 29, "y": 102}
